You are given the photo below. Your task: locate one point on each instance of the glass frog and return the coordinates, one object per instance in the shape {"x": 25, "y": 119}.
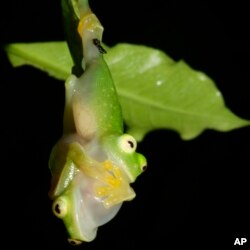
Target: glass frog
{"x": 94, "y": 162}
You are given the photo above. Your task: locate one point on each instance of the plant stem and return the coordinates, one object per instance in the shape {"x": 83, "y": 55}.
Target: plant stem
{"x": 70, "y": 14}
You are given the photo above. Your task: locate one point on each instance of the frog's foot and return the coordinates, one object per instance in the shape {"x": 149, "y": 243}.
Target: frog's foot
{"x": 114, "y": 187}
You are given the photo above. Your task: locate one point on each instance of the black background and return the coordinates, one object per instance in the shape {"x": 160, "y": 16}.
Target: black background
{"x": 194, "y": 193}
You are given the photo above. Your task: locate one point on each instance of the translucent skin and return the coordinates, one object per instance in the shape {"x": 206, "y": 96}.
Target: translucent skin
{"x": 93, "y": 163}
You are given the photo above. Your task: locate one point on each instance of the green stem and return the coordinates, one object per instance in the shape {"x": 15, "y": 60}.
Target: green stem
{"x": 70, "y": 14}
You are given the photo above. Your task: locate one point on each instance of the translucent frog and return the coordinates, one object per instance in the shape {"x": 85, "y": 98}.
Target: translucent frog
{"x": 94, "y": 162}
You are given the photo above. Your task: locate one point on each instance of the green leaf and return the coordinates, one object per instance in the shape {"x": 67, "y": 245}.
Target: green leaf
{"x": 52, "y": 57}
{"x": 155, "y": 92}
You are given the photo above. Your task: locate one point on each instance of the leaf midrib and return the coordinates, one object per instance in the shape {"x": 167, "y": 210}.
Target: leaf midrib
{"x": 141, "y": 100}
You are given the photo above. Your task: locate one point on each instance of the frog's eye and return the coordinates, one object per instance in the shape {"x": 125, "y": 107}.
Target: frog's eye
{"x": 127, "y": 143}
{"x": 74, "y": 242}
{"x": 59, "y": 207}
{"x": 142, "y": 162}
{"x": 144, "y": 167}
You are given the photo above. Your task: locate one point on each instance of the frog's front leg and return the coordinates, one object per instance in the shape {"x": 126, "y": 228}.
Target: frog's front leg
{"x": 114, "y": 187}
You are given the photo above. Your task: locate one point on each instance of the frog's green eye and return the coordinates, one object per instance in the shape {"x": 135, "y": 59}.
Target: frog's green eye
{"x": 59, "y": 207}
{"x": 127, "y": 143}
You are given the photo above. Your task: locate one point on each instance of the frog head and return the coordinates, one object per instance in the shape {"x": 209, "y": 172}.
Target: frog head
{"x": 81, "y": 210}
{"x": 121, "y": 150}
